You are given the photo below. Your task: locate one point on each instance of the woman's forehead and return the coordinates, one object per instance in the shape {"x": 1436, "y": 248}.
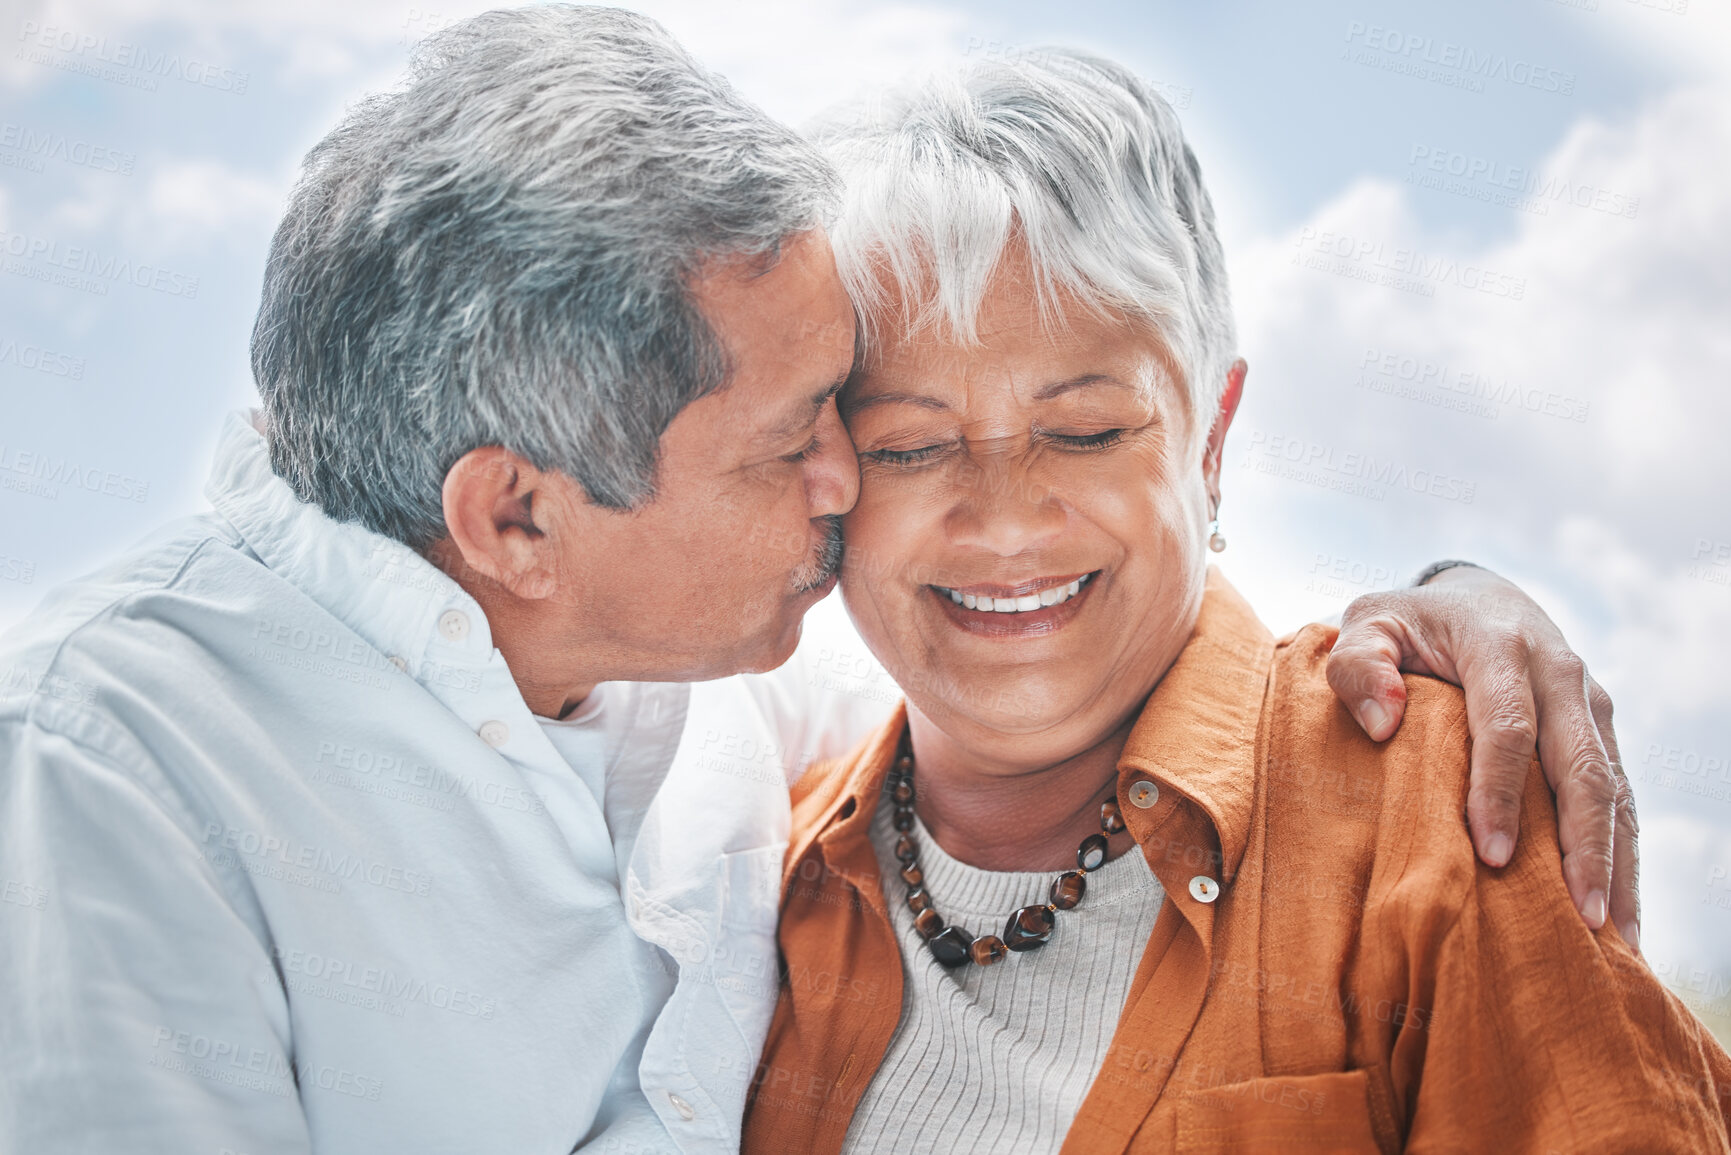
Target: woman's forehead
{"x": 1075, "y": 358}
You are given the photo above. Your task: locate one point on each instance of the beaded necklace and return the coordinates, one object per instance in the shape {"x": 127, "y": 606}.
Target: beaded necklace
{"x": 1027, "y": 928}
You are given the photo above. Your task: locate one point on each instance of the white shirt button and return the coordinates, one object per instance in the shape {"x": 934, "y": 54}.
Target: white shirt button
{"x": 1143, "y": 794}
{"x": 1204, "y": 889}
{"x": 454, "y": 625}
{"x": 686, "y": 1110}
{"x": 494, "y": 734}
{"x": 400, "y": 662}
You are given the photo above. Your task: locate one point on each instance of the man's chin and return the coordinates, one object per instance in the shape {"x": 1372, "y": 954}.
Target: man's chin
{"x": 775, "y": 653}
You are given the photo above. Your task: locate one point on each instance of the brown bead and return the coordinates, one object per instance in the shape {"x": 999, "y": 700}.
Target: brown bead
{"x": 904, "y": 818}
{"x": 903, "y": 792}
{"x": 1028, "y": 928}
{"x": 906, "y": 851}
{"x": 950, "y": 947}
{"x": 1110, "y": 820}
{"x": 1068, "y": 889}
{"x": 1091, "y": 855}
{"x": 918, "y": 900}
{"x": 905, "y": 765}
{"x": 913, "y": 875}
{"x": 988, "y": 950}
{"x": 928, "y": 923}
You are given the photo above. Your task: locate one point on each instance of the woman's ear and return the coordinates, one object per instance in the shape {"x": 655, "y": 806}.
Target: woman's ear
{"x": 1216, "y": 445}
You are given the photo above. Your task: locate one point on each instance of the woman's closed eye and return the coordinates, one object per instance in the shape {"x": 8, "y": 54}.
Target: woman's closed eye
{"x": 905, "y": 458}
{"x": 925, "y": 454}
{"x": 1084, "y": 441}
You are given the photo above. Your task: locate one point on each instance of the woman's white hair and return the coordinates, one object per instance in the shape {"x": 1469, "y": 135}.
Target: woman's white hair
{"x": 1068, "y": 153}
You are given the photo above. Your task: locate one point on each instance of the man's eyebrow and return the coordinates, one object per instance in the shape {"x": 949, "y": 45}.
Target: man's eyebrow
{"x": 808, "y": 413}
{"x": 1059, "y": 388}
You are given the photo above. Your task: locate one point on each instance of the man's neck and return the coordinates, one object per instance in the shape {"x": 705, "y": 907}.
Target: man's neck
{"x": 544, "y": 673}
{"x": 997, "y": 816}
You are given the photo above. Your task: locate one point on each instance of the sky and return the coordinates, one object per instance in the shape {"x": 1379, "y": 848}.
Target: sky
{"x": 1481, "y": 259}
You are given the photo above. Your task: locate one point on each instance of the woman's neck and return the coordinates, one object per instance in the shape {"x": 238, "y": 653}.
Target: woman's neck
{"x": 995, "y": 815}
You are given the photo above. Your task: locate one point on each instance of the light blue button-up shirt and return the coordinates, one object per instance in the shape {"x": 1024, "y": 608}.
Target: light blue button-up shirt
{"x": 288, "y": 864}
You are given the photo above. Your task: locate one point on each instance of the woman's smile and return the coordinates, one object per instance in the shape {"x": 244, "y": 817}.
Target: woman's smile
{"x": 1032, "y": 608}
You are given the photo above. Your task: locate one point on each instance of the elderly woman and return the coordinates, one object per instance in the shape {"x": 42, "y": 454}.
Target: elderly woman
{"x": 1122, "y": 873}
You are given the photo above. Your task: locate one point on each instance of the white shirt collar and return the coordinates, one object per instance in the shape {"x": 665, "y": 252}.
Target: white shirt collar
{"x": 378, "y": 587}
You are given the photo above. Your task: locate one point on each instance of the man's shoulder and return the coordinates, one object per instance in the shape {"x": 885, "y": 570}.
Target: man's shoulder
{"x": 125, "y": 626}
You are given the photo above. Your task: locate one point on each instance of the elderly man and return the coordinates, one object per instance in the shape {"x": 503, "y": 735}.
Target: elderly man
{"x": 377, "y": 808}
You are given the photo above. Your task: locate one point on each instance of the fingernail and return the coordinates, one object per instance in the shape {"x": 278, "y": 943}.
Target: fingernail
{"x": 1594, "y": 909}
{"x": 1631, "y": 932}
{"x": 1498, "y": 848}
{"x": 1373, "y": 715}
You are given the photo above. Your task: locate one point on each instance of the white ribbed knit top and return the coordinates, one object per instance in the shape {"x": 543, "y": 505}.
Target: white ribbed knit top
{"x": 998, "y": 1059}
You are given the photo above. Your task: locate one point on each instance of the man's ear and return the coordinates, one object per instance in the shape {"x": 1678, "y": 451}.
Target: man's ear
{"x": 1212, "y": 451}
{"x": 491, "y": 497}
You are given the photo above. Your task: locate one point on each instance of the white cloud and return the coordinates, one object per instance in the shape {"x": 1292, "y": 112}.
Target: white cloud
{"x": 188, "y": 203}
{"x": 794, "y": 56}
{"x": 1604, "y": 517}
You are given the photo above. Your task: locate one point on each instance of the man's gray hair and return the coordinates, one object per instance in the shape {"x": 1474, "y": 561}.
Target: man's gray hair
{"x": 1067, "y": 152}
{"x": 499, "y": 252}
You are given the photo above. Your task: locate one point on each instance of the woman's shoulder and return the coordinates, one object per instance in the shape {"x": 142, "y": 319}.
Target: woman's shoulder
{"x": 1310, "y": 735}
{"x": 826, "y": 783}
{"x": 1380, "y": 813}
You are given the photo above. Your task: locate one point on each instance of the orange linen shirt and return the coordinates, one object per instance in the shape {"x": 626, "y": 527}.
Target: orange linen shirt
{"x": 1361, "y": 982}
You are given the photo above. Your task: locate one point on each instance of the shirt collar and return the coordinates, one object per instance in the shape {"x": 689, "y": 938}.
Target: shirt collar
{"x": 1197, "y": 734}
{"x": 380, "y": 588}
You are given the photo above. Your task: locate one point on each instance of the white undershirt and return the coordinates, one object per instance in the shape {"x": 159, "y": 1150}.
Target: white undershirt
{"x": 999, "y": 1058}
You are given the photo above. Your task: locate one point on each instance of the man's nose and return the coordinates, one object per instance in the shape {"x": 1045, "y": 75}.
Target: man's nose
{"x": 832, "y": 473}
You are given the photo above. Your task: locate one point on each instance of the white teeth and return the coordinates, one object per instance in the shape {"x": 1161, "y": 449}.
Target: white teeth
{"x": 1019, "y": 605}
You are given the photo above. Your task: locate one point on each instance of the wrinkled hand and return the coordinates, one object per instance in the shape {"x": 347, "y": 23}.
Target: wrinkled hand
{"x": 1524, "y": 688}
